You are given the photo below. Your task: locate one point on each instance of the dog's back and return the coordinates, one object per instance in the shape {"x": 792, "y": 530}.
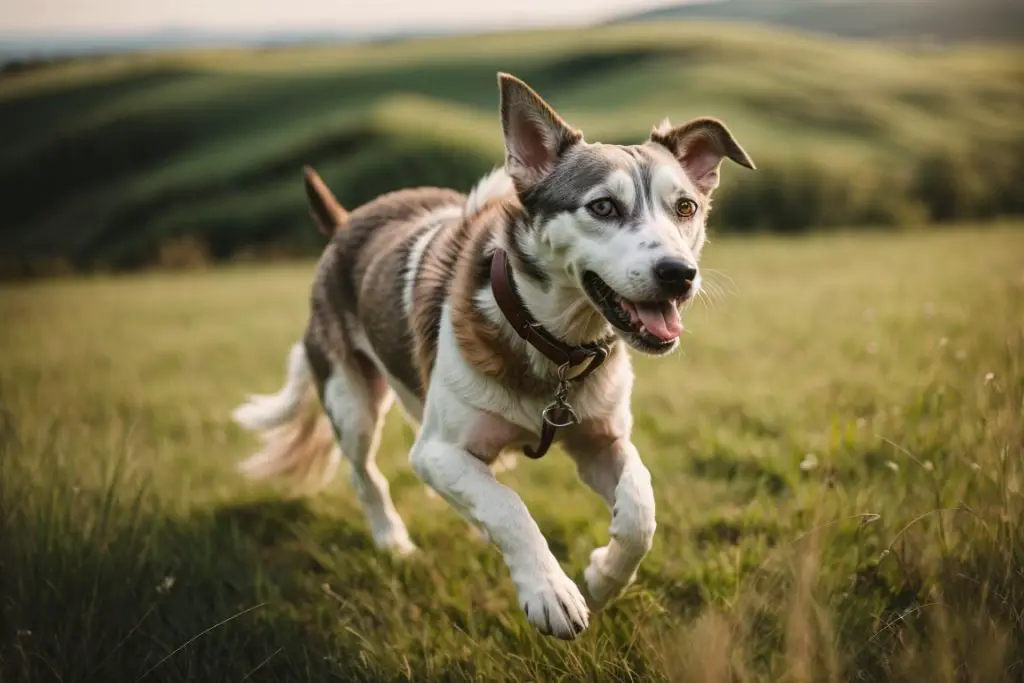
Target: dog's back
{"x": 365, "y": 290}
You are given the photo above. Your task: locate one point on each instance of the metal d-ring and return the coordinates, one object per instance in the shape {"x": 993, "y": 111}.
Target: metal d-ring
{"x": 561, "y": 403}
{"x": 571, "y": 418}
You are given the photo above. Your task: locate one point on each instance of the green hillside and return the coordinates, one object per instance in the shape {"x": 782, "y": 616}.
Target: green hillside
{"x": 123, "y": 161}
{"x": 946, "y": 20}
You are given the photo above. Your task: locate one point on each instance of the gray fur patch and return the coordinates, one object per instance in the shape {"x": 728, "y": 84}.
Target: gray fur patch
{"x": 580, "y": 169}
{"x": 588, "y": 165}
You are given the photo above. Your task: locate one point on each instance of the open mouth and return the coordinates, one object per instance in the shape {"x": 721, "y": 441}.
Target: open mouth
{"x": 652, "y": 325}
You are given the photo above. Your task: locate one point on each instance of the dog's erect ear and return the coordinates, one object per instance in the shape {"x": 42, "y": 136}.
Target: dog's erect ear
{"x": 700, "y": 146}
{"x": 323, "y": 207}
{"x": 535, "y": 136}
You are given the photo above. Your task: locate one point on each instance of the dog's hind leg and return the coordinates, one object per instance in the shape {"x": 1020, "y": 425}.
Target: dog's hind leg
{"x": 356, "y": 398}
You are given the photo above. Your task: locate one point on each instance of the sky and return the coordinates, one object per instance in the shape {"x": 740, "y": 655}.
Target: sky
{"x": 120, "y": 17}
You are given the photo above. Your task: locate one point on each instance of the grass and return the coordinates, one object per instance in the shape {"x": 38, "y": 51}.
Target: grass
{"x": 836, "y": 458}
{"x": 105, "y": 160}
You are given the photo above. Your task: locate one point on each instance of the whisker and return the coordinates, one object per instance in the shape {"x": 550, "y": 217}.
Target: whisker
{"x": 710, "y": 294}
{"x": 717, "y": 276}
{"x": 714, "y": 289}
{"x": 720, "y": 274}
{"x": 705, "y": 299}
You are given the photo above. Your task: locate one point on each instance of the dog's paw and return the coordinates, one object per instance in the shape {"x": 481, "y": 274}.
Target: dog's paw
{"x": 553, "y": 603}
{"x": 602, "y": 587}
{"x": 396, "y": 543}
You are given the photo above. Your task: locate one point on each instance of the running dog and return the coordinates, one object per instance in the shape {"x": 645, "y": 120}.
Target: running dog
{"x": 501, "y": 320}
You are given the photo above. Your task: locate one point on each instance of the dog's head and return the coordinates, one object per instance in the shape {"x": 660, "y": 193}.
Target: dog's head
{"x": 625, "y": 224}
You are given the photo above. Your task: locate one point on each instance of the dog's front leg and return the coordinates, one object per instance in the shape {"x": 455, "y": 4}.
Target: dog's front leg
{"x": 612, "y": 467}
{"x": 550, "y": 599}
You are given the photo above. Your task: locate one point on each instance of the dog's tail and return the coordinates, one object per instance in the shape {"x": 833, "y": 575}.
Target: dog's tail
{"x": 329, "y": 215}
{"x": 298, "y": 441}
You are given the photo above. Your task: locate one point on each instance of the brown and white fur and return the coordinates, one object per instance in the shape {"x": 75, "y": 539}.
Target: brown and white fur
{"x": 604, "y": 241}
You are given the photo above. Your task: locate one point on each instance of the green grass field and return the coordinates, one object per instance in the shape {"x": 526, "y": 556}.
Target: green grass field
{"x": 836, "y": 456}
{"x": 114, "y": 162}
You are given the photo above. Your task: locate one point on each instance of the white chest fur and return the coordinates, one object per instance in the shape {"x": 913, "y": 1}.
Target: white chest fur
{"x": 469, "y": 408}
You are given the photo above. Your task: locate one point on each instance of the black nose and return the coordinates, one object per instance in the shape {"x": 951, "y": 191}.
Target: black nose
{"x": 675, "y": 275}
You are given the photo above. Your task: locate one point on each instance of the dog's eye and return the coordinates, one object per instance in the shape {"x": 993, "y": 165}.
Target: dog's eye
{"x": 685, "y": 208}
{"x": 603, "y": 208}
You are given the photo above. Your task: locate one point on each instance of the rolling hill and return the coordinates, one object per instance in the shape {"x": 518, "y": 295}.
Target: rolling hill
{"x": 127, "y": 160}
{"x": 945, "y": 20}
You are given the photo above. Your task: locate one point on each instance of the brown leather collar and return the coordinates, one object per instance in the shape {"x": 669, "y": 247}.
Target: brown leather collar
{"x": 559, "y": 413}
{"x": 526, "y": 326}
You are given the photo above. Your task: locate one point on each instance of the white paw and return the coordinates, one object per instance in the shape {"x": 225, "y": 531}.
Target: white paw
{"x": 553, "y": 603}
{"x": 602, "y": 587}
{"x": 396, "y": 543}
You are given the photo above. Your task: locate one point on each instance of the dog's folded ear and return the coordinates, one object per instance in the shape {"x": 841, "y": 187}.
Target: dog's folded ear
{"x": 700, "y": 146}
{"x": 535, "y": 135}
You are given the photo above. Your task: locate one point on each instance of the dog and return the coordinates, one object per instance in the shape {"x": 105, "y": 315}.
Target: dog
{"x": 501, "y": 320}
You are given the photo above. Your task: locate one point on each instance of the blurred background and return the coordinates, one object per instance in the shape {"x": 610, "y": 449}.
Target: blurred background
{"x": 143, "y": 134}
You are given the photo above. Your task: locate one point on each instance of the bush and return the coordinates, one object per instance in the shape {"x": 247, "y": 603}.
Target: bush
{"x": 949, "y": 185}
{"x": 980, "y": 182}
{"x": 800, "y": 195}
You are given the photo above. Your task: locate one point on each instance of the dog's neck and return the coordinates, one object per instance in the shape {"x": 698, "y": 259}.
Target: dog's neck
{"x": 561, "y": 307}
{"x": 558, "y": 304}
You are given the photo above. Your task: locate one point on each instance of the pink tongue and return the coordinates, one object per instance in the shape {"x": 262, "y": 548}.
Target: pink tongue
{"x": 661, "y": 320}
